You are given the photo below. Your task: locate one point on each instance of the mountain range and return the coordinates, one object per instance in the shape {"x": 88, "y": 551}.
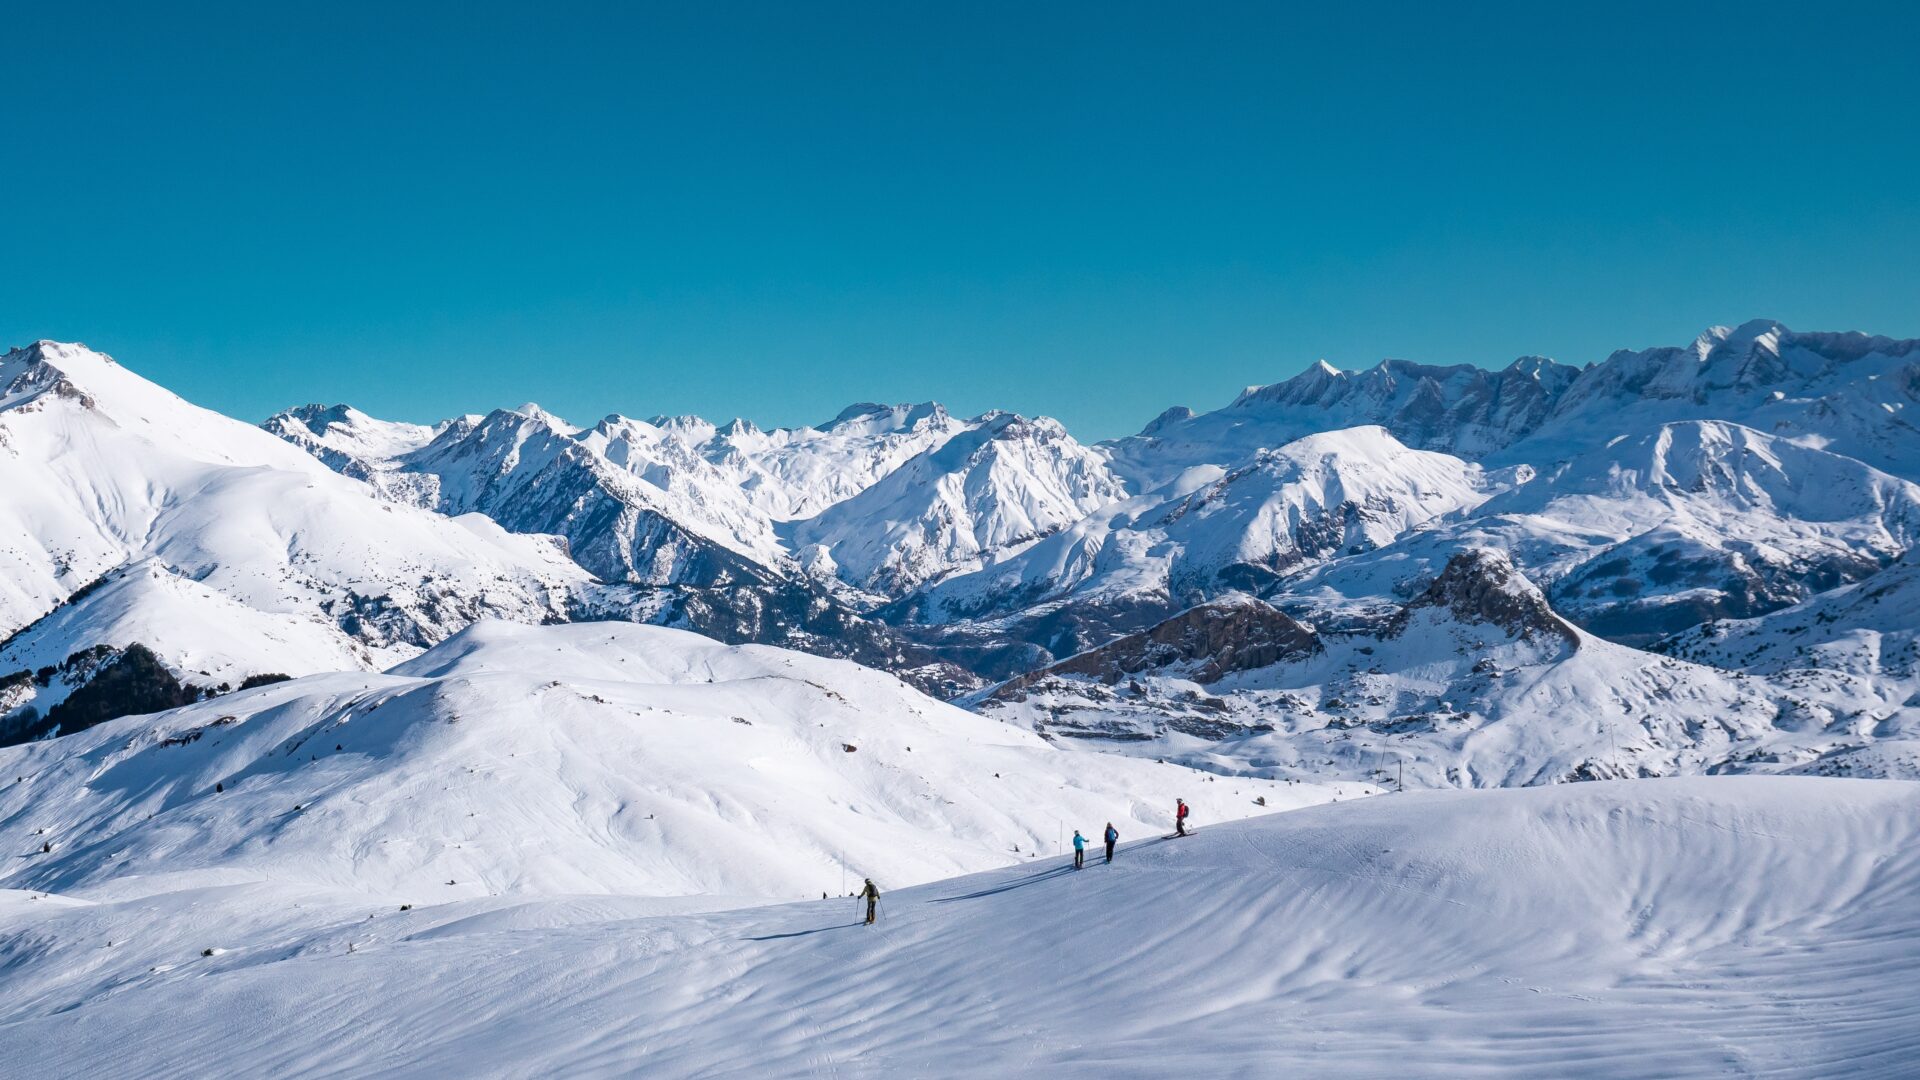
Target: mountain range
{"x": 1640, "y": 500}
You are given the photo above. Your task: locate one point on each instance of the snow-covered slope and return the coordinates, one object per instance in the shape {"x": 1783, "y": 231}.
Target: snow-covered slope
{"x": 1475, "y": 682}
{"x": 1213, "y": 530}
{"x": 1869, "y": 628}
{"x": 1855, "y": 650}
{"x": 1675, "y": 928}
{"x": 129, "y": 514}
{"x": 588, "y": 758}
{"x": 983, "y": 493}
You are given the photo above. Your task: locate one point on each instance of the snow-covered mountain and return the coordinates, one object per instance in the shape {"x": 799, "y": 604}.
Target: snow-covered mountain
{"x": 999, "y": 540}
{"x": 884, "y": 497}
{"x": 1850, "y": 393}
{"x": 1462, "y": 409}
{"x": 127, "y": 514}
{"x": 1680, "y": 928}
{"x": 795, "y": 473}
{"x": 1855, "y": 650}
{"x": 958, "y": 551}
{"x": 626, "y": 516}
{"x": 982, "y": 494}
{"x": 1475, "y": 682}
{"x": 350, "y": 441}
{"x": 1868, "y": 628}
{"x": 1216, "y": 530}
{"x": 1660, "y": 530}
{"x": 459, "y": 841}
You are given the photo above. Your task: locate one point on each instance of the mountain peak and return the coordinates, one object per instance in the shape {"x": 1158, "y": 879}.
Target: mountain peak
{"x": 875, "y": 418}
{"x": 1170, "y": 417}
{"x": 1763, "y": 334}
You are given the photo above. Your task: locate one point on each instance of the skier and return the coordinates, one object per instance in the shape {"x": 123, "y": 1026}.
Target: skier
{"x": 872, "y": 895}
{"x": 1180, "y": 817}
{"x": 46, "y": 846}
{"x": 1113, "y": 837}
{"x": 1079, "y": 850}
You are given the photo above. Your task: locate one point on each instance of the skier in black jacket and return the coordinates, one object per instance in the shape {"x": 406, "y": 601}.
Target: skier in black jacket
{"x": 872, "y": 895}
{"x": 1113, "y": 837}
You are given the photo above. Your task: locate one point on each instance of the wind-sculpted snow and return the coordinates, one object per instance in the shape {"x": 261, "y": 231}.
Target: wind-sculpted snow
{"x": 1702, "y": 927}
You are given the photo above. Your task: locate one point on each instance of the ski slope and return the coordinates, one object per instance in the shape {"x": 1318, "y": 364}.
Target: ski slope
{"x": 1741, "y": 926}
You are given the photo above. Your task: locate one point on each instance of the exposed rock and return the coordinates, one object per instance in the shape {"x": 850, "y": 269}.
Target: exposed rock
{"x": 1217, "y": 639}
{"x": 1480, "y": 585}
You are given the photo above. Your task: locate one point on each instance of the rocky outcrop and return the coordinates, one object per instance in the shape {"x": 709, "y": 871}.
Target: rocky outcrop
{"x": 1215, "y": 640}
{"x": 1480, "y": 585}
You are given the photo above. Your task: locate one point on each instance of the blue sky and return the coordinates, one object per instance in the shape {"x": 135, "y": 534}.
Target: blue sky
{"x": 1089, "y": 211}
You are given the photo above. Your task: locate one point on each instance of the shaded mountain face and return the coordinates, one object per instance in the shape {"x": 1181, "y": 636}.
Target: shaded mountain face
{"x": 1869, "y": 630}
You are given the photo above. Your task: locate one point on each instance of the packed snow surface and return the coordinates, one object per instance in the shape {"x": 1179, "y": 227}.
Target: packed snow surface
{"x": 1696, "y": 927}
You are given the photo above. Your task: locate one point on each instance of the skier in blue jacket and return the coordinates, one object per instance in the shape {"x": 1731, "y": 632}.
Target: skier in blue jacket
{"x": 1079, "y": 850}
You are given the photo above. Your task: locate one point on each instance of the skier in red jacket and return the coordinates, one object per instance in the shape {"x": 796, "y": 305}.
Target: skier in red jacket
{"x": 1180, "y": 817}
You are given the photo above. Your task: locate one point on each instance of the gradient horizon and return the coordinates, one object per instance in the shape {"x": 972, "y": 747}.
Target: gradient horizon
{"x": 1088, "y": 212}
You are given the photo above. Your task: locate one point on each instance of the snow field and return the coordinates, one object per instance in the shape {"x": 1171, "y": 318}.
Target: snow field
{"x": 1692, "y": 927}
